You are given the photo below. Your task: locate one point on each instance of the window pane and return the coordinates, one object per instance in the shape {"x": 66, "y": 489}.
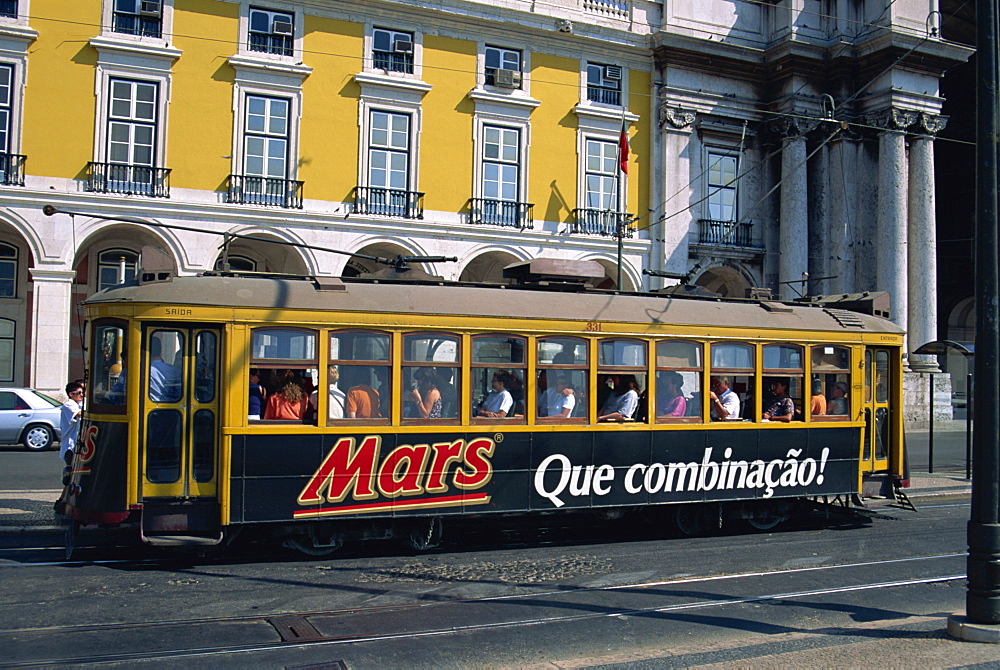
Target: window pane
{"x": 427, "y": 348}
{"x": 622, "y": 352}
{"x": 163, "y": 445}
{"x": 274, "y": 343}
{"x": 203, "y": 453}
{"x": 782, "y": 357}
{"x": 359, "y": 347}
{"x": 498, "y": 350}
{"x": 739, "y": 356}
{"x": 562, "y": 351}
{"x": 204, "y": 381}
{"x": 165, "y": 366}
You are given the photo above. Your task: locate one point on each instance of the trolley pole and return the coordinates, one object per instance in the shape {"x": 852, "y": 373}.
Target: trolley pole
{"x": 982, "y": 602}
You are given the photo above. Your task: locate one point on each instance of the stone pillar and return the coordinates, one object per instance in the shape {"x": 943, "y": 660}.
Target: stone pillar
{"x": 890, "y": 216}
{"x": 843, "y": 215}
{"x": 793, "y": 228}
{"x": 678, "y": 144}
{"x": 922, "y": 244}
{"x": 51, "y": 318}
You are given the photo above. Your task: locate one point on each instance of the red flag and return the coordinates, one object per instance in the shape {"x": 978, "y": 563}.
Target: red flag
{"x": 623, "y": 148}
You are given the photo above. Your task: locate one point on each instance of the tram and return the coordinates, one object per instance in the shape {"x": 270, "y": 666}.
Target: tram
{"x": 368, "y": 416}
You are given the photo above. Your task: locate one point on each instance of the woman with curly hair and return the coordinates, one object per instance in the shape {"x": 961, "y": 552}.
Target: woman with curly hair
{"x": 289, "y": 402}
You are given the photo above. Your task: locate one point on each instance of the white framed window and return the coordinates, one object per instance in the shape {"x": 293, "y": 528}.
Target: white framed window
{"x": 500, "y": 191}
{"x": 6, "y": 106}
{"x": 115, "y": 266}
{"x": 132, "y": 122}
{"x": 392, "y": 50}
{"x": 145, "y": 23}
{"x": 604, "y": 83}
{"x": 8, "y": 329}
{"x": 501, "y": 163}
{"x": 602, "y": 176}
{"x": 502, "y": 67}
{"x": 271, "y": 32}
{"x": 720, "y": 183}
{"x": 266, "y": 137}
{"x": 8, "y": 9}
{"x": 8, "y": 270}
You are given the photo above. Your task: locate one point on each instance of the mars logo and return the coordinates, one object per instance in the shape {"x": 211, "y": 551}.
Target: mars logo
{"x": 87, "y": 446}
{"x": 412, "y": 476}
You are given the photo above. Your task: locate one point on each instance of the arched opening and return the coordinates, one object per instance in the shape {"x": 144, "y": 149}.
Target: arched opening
{"x": 610, "y": 280}
{"x": 357, "y": 265}
{"x": 724, "y": 280}
{"x": 488, "y": 268}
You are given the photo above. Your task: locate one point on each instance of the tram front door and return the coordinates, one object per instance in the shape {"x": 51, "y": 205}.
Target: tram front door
{"x": 180, "y": 430}
{"x": 878, "y": 427}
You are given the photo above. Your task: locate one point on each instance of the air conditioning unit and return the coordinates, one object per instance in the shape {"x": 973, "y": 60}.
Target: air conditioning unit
{"x": 612, "y": 72}
{"x": 504, "y": 78}
{"x": 402, "y": 47}
{"x": 281, "y": 27}
{"x": 151, "y": 8}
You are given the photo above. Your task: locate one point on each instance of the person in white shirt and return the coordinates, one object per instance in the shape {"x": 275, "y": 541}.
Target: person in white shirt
{"x": 725, "y": 402}
{"x": 69, "y": 421}
{"x": 558, "y": 401}
{"x": 499, "y": 402}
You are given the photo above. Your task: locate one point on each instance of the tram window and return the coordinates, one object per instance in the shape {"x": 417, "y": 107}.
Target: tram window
{"x": 831, "y": 370}
{"x": 361, "y": 360}
{"x": 431, "y": 376}
{"x": 678, "y": 381}
{"x": 203, "y": 454}
{"x": 204, "y": 367}
{"x": 164, "y": 428}
{"x": 498, "y": 368}
{"x": 562, "y": 382}
{"x": 621, "y": 381}
{"x": 881, "y": 376}
{"x": 784, "y": 383}
{"x": 287, "y": 366}
{"x": 107, "y": 377}
{"x": 165, "y": 365}
{"x": 732, "y": 369}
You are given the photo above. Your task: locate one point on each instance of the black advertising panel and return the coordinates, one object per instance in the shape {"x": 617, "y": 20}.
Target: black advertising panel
{"x": 98, "y": 475}
{"x": 328, "y": 477}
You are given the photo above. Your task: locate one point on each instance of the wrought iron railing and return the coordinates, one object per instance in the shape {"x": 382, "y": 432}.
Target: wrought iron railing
{"x": 152, "y": 182}
{"x": 270, "y": 43}
{"x": 269, "y": 191}
{"x": 606, "y": 96}
{"x": 388, "y": 202}
{"x": 505, "y": 213}
{"x": 725, "y": 233}
{"x": 603, "y": 222}
{"x": 12, "y": 169}
{"x": 8, "y": 8}
{"x": 130, "y": 24}
{"x": 392, "y": 61}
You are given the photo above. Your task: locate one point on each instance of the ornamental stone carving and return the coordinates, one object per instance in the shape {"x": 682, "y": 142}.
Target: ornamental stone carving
{"x": 891, "y": 119}
{"x": 791, "y": 126}
{"x": 932, "y": 124}
{"x": 675, "y": 116}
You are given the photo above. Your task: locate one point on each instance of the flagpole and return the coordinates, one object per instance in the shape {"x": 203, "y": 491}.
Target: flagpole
{"x": 619, "y": 218}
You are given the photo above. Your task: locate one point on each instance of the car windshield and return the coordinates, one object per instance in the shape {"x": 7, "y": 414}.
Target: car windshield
{"x": 51, "y": 401}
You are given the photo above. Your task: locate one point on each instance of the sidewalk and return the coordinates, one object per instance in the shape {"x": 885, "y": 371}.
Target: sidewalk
{"x": 30, "y": 511}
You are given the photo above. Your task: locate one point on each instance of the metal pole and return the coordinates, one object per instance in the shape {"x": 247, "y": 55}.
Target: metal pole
{"x": 982, "y": 602}
{"x": 930, "y": 428}
{"x": 968, "y": 425}
{"x": 619, "y": 230}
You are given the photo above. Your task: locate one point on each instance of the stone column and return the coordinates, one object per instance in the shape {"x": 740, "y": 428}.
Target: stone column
{"x": 793, "y": 227}
{"x": 679, "y": 146}
{"x": 922, "y": 243}
{"x": 843, "y": 215}
{"x": 51, "y": 318}
{"x": 890, "y": 216}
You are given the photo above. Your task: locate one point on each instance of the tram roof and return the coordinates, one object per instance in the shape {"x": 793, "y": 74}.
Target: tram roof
{"x": 242, "y": 292}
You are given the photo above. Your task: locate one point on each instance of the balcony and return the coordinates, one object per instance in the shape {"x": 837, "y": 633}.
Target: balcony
{"x": 606, "y": 96}
{"x": 131, "y": 24}
{"x": 267, "y": 191}
{"x": 12, "y": 169}
{"x": 391, "y": 61}
{"x": 152, "y": 182}
{"x": 392, "y": 202}
{"x": 504, "y": 213}
{"x": 8, "y": 8}
{"x": 725, "y": 233}
{"x": 603, "y": 222}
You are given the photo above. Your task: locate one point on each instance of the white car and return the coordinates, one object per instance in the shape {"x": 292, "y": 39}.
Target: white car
{"x": 29, "y": 418}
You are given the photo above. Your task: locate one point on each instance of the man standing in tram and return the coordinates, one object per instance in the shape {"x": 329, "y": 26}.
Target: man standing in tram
{"x": 725, "y": 402}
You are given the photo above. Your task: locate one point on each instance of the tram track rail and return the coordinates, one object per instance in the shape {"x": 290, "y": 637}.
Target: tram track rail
{"x": 292, "y": 630}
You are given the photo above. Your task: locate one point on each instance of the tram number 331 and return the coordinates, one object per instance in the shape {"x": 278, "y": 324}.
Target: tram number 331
{"x": 593, "y": 326}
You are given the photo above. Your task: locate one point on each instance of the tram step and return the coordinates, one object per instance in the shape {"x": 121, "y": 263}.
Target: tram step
{"x": 181, "y": 540}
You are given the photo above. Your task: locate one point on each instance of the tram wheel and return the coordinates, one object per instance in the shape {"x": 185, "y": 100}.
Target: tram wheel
{"x": 308, "y": 545}
{"x": 426, "y": 534}
{"x": 693, "y": 519}
{"x": 766, "y": 517}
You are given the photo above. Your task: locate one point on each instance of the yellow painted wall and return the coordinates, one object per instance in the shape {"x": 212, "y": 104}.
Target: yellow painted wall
{"x": 200, "y": 118}
{"x": 58, "y": 128}
{"x": 446, "y": 144}
{"x": 640, "y": 158}
{"x": 328, "y": 149}
{"x": 553, "y": 160}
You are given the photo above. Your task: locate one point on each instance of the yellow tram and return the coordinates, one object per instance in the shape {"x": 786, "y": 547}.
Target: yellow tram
{"x": 319, "y": 410}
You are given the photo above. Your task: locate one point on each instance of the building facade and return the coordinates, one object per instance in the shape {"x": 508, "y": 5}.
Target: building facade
{"x": 767, "y": 142}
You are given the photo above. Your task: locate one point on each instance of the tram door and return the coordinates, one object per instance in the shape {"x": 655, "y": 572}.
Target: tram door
{"x": 875, "y": 456}
{"x": 180, "y": 434}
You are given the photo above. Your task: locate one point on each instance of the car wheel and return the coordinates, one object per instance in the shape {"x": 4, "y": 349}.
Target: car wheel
{"x": 38, "y": 437}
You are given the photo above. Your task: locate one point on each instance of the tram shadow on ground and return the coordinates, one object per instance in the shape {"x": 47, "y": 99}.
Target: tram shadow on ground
{"x": 471, "y": 534}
